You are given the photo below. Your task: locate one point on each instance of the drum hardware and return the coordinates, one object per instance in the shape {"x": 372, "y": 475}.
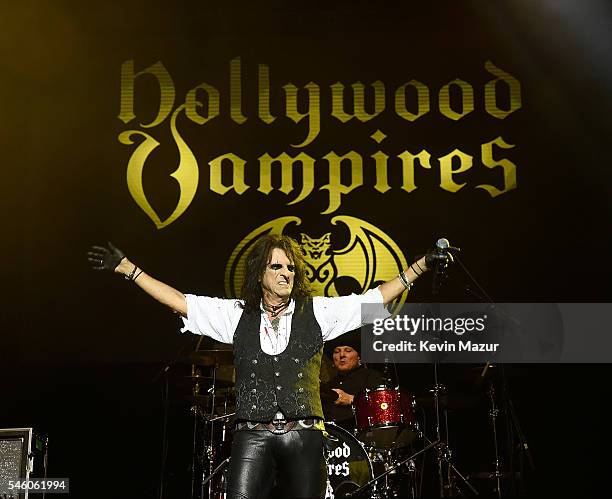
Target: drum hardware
{"x": 493, "y": 412}
{"x": 220, "y": 494}
{"x": 211, "y": 420}
{"x": 203, "y": 381}
{"x": 385, "y": 417}
{"x": 497, "y": 476}
{"x": 223, "y": 416}
{"x": 211, "y": 381}
{"x": 446, "y": 469}
{"x": 512, "y": 422}
{"x": 213, "y": 357}
{"x": 391, "y": 484}
{"x": 164, "y": 374}
{"x": 372, "y": 483}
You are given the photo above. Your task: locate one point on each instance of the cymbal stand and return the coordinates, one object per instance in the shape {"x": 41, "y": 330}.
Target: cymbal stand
{"x": 210, "y": 452}
{"x": 165, "y": 398}
{"x": 437, "y": 388}
{"x": 452, "y": 468}
{"x": 511, "y": 418}
{"x": 444, "y": 454}
{"x": 514, "y": 426}
{"x": 195, "y": 410}
{"x": 493, "y": 415}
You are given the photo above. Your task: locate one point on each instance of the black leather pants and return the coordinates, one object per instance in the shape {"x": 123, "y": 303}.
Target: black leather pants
{"x": 295, "y": 458}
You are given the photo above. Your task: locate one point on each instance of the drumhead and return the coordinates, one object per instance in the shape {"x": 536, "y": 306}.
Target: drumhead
{"x": 348, "y": 464}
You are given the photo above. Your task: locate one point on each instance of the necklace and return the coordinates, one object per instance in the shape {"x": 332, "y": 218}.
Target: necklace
{"x": 275, "y": 309}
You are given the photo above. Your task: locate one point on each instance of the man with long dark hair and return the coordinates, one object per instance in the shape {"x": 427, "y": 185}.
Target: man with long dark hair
{"x": 277, "y": 331}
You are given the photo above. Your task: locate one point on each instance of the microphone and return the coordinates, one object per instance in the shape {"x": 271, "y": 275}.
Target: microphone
{"x": 439, "y": 258}
{"x": 442, "y": 243}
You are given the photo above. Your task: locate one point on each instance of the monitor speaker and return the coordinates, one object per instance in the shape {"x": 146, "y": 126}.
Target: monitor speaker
{"x": 16, "y": 459}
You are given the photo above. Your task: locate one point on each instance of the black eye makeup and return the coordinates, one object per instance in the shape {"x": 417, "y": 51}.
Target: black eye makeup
{"x": 278, "y": 266}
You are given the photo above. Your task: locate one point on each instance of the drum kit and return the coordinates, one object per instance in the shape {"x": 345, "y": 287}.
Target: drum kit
{"x": 382, "y": 455}
{"x": 370, "y": 460}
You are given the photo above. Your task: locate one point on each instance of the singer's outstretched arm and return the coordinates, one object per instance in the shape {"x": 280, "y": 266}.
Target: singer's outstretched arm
{"x": 390, "y": 290}
{"x": 163, "y": 293}
{"x": 112, "y": 259}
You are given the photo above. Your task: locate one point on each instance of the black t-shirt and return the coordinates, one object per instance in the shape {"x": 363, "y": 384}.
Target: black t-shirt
{"x": 352, "y": 383}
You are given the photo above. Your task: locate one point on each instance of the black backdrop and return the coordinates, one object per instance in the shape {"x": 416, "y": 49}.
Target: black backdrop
{"x": 80, "y": 350}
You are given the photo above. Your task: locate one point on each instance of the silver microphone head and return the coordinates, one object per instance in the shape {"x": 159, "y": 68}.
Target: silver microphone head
{"x": 442, "y": 243}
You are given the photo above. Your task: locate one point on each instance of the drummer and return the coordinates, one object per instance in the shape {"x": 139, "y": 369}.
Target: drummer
{"x": 351, "y": 377}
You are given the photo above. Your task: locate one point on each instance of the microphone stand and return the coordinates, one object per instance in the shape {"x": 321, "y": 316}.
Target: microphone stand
{"x": 444, "y": 453}
{"x": 442, "y": 449}
{"x": 444, "y": 254}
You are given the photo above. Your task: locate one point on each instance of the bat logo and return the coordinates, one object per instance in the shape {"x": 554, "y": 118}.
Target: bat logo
{"x": 369, "y": 257}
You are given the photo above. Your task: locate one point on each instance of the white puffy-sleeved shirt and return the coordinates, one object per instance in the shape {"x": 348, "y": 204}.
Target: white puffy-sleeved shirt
{"x": 218, "y": 318}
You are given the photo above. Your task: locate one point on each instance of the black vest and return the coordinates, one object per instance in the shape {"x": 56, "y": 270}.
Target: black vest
{"x": 289, "y": 381}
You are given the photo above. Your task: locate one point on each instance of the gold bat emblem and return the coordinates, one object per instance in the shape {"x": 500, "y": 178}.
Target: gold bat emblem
{"x": 369, "y": 258}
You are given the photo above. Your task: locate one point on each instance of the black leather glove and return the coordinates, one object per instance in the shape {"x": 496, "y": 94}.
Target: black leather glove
{"x": 101, "y": 258}
{"x": 438, "y": 257}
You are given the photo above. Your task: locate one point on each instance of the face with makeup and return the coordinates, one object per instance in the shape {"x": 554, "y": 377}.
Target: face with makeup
{"x": 277, "y": 279}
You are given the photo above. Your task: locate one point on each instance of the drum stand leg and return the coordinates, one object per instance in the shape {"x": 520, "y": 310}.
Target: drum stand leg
{"x": 493, "y": 414}
{"x": 392, "y": 484}
{"x": 446, "y": 469}
{"x": 194, "y": 456}
{"x": 203, "y": 440}
{"x": 207, "y": 479}
{"x": 372, "y": 484}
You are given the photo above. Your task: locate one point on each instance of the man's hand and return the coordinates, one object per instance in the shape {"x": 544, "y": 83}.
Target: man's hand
{"x": 114, "y": 259}
{"x": 437, "y": 257}
{"x": 101, "y": 258}
{"x": 343, "y": 397}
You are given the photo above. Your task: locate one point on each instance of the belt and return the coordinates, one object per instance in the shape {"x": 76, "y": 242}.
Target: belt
{"x": 279, "y": 426}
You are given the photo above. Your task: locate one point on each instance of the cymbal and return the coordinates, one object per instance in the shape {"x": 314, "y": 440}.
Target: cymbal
{"x": 210, "y": 358}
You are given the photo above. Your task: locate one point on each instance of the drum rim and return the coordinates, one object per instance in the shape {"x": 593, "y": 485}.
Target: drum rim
{"x": 384, "y": 424}
{"x": 401, "y": 395}
{"x": 381, "y": 388}
{"x": 401, "y": 392}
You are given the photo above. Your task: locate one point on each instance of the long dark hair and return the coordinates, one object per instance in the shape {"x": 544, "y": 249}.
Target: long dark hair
{"x": 256, "y": 264}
